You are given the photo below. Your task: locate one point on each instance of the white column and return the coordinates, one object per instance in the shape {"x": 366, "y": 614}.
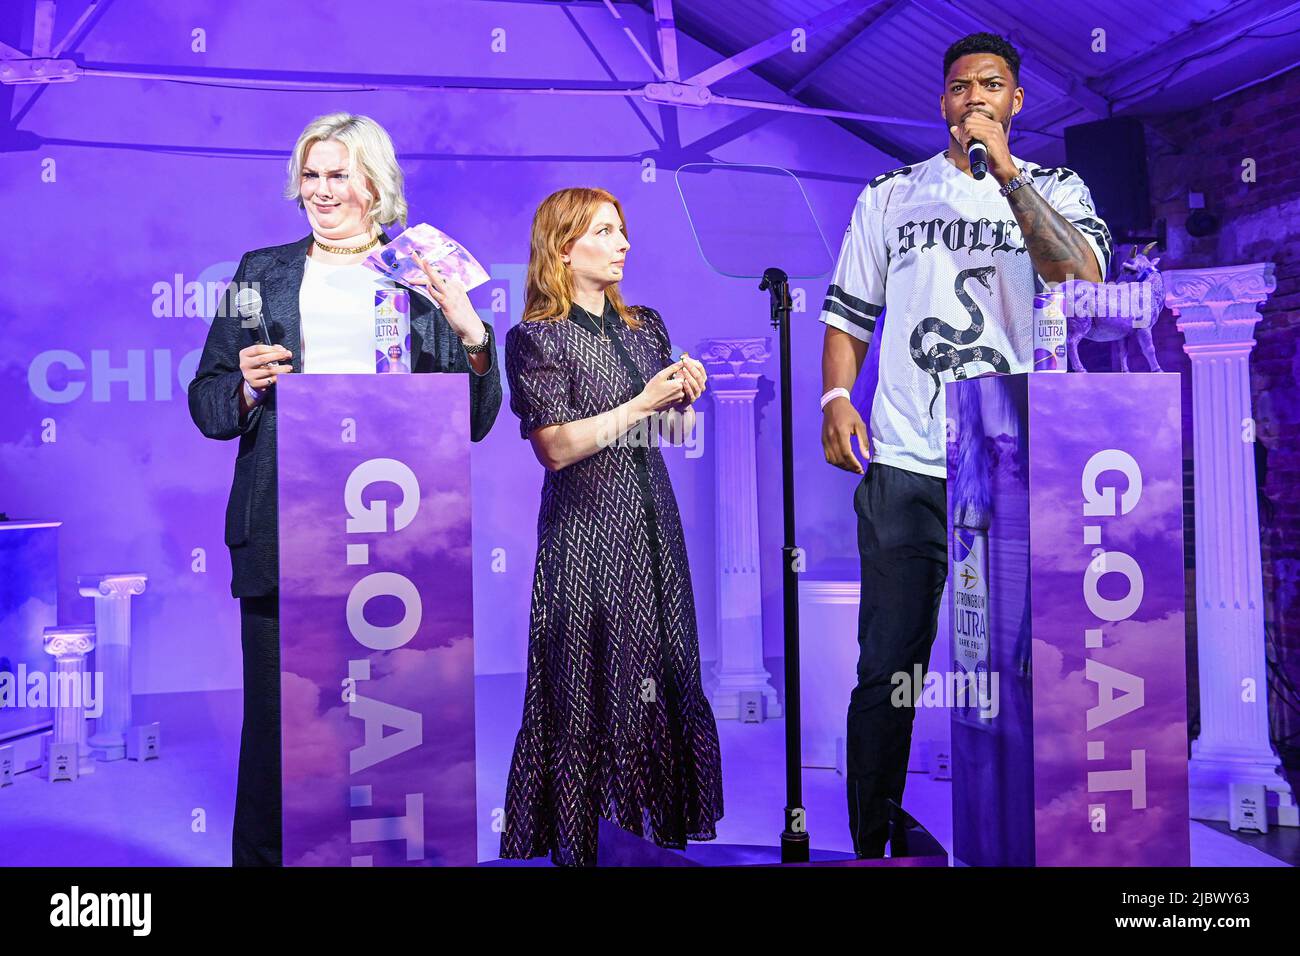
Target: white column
{"x": 112, "y": 594}
{"x": 69, "y": 647}
{"x": 735, "y": 366}
{"x": 1217, "y": 310}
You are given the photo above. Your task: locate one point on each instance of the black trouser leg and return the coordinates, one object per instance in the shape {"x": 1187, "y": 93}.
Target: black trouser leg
{"x": 902, "y": 541}
{"x": 256, "y": 837}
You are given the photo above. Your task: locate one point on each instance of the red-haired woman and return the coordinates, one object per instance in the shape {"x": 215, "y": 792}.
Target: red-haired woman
{"x": 615, "y": 722}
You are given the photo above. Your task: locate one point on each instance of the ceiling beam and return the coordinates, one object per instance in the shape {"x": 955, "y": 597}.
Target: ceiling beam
{"x": 74, "y": 32}
{"x": 627, "y": 32}
{"x": 779, "y": 42}
{"x": 609, "y": 71}
{"x": 1144, "y": 72}
{"x": 356, "y": 82}
{"x": 854, "y": 32}
{"x": 807, "y": 109}
{"x": 666, "y": 27}
{"x": 869, "y": 134}
{"x": 92, "y": 15}
{"x": 43, "y": 29}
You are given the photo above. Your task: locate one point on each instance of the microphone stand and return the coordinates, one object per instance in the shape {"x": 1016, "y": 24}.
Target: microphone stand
{"x": 794, "y": 838}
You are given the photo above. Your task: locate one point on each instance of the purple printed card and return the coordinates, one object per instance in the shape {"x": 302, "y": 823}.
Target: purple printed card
{"x": 397, "y": 260}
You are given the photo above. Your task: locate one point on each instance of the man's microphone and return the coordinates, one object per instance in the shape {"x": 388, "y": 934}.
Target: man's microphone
{"x": 979, "y": 159}
{"x": 248, "y": 303}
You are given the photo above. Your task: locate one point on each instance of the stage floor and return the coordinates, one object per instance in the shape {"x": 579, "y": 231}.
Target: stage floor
{"x": 177, "y": 811}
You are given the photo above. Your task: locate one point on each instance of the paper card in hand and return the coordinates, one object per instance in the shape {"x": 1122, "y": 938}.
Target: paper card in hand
{"x": 451, "y": 259}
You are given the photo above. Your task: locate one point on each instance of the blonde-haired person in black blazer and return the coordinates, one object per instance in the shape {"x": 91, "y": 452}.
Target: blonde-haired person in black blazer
{"x": 317, "y": 302}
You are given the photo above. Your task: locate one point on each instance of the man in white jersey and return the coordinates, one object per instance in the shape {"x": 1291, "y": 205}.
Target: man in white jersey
{"x": 941, "y": 269}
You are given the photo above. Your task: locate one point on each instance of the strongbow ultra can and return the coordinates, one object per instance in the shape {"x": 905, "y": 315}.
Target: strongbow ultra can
{"x": 1049, "y": 331}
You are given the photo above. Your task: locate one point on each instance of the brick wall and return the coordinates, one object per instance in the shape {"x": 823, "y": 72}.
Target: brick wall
{"x": 1202, "y": 150}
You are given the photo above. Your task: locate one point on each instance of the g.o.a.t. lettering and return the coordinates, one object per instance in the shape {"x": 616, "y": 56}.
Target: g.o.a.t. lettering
{"x": 379, "y": 716}
{"x": 1120, "y": 694}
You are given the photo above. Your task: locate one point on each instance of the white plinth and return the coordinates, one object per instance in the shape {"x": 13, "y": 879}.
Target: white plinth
{"x": 112, "y": 594}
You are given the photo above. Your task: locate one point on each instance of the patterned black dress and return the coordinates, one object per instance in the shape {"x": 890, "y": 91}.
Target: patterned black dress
{"x": 615, "y": 722}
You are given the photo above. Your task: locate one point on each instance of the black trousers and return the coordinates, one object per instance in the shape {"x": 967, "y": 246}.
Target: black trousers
{"x": 903, "y": 546}
{"x": 256, "y": 838}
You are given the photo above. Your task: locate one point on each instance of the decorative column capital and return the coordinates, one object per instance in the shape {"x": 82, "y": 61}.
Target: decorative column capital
{"x": 111, "y": 585}
{"x": 1217, "y": 308}
{"x": 735, "y": 363}
{"x": 68, "y": 641}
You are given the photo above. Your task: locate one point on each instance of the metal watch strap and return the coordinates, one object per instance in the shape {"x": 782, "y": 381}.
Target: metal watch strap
{"x": 1021, "y": 179}
{"x": 482, "y": 346}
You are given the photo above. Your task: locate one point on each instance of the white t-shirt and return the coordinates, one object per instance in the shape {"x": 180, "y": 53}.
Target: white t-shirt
{"x": 941, "y": 256}
{"x": 337, "y": 308}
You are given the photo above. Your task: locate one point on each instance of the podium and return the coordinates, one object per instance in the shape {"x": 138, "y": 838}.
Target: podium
{"x": 376, "y": 620}
{"x": 1069, "y": 717}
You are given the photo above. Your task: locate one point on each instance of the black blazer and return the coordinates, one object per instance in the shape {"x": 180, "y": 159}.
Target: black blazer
{"x": 252, "y": 511}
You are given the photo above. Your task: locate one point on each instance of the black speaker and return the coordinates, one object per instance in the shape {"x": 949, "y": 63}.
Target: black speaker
{"x": 1111, "y": 156}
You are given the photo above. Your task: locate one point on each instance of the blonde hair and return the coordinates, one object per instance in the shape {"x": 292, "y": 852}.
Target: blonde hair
{"x": 370, "y": 150}
{"x": 561, "y": 218}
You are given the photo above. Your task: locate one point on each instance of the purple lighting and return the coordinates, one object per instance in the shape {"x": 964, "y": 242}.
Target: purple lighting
{"x": 144, "y": 150}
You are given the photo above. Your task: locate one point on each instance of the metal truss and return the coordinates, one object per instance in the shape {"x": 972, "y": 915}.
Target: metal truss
{"x": 48, "y": 63}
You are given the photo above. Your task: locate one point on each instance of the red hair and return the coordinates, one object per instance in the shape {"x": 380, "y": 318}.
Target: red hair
{"x": 562, "y": 218}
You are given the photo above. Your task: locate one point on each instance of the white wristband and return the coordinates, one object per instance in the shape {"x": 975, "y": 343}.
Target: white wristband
{"x": 833, "y": 394}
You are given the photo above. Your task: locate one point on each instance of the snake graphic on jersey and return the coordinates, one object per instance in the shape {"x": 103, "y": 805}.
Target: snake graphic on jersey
{"x": 942, "y": 356}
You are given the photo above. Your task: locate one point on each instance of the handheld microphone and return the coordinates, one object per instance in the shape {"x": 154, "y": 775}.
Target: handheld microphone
{"x": 248, "y": 303}
{"x": 979, "y": 159}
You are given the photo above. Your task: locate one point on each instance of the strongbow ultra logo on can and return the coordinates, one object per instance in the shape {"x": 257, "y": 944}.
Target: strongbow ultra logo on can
{"x": 1049, "y": 331}
{"x": 392, "y": 330}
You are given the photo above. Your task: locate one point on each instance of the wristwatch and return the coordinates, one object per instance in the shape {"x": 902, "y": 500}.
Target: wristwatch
{"x": 1021, "y": 179}
{"x": 482, "y": 346}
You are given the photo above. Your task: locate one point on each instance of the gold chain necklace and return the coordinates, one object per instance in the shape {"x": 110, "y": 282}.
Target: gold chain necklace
{"x": 347, "y": 252}
{"x": 593, "y": 320}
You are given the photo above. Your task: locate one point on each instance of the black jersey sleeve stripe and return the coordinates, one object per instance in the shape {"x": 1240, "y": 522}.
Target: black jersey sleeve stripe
{"x": 861, "y": 306}
{"x": 866, "y": 323}
{"x": 1098, "y": 231}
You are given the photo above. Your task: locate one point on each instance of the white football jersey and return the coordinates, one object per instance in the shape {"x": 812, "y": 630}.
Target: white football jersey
{"x": 934, "y": 261}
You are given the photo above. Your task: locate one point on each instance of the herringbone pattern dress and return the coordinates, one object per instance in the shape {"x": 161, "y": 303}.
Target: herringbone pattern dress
{"x": 615, "y": 722}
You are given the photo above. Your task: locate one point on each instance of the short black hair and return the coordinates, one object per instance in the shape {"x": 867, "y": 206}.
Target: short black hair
{"x": 984, "y": 43}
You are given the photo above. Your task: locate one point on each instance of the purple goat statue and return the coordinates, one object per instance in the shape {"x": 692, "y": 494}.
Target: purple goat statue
{"x": 1114, "y": 311}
